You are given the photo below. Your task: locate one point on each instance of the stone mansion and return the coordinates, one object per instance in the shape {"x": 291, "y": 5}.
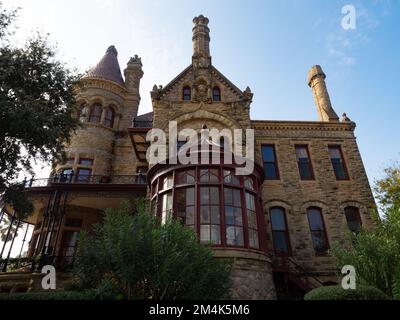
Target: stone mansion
{"x": 308, "y": 189}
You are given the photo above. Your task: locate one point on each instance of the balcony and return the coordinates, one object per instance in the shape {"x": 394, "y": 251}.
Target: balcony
{"x": 88, "y": 182}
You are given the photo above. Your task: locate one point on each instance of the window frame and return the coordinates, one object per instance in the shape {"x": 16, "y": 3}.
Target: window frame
{"x": 286, "y": 231}
{"x": 346, "y": 172}
{"x": 91, "y": 114}
{"x": 219, "y": 94}
{"x": 325, "y": 233}
{"x": 185, "y": 95}
{"x": 358, "y": 218}
{"x": 85, "y": 165}
{"x": 87, "y": 175}
{"x": 106, "y": 119}
{"x": 310, "y": 165}
{"x": 275, "y": 163}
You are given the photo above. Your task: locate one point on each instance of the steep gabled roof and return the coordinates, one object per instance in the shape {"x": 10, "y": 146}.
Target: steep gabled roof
{"x": 107, "y": 68}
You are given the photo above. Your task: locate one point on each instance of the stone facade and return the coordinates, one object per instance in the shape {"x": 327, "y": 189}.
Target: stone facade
{"x": 202, "y": 97}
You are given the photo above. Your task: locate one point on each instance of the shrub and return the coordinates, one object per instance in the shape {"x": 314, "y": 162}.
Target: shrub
{"x": 338, "y": 293}
{"x": 133, "y": 256}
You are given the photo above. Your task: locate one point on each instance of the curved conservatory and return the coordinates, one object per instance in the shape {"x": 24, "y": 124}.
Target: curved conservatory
{"x": 224, "y": 209}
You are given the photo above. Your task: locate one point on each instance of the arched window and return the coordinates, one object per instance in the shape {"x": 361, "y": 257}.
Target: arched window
{"x": 353, "y": 219}
{"x": 280, "y": 234}
{"x": 186, "y": 93}
{"x": 109, "y": 117}
{"x": 216, "y": 94}
{"x": 318, "y": 231}
{"x": 95, "y": 113}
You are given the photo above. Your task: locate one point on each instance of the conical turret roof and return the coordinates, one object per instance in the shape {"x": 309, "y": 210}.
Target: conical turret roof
{"x": 108, "y": 67}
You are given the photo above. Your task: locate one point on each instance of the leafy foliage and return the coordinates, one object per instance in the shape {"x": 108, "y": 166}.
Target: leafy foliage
{"x": 37, "y": 109}
{"x": 138, "y": 258}
{"x": 52, "y": 295}
{"x": 375, "y": 254}
{"x": 338, "y": 293}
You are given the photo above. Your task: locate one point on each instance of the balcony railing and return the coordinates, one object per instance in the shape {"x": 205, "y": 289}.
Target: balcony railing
{"x": 139, "y": 178}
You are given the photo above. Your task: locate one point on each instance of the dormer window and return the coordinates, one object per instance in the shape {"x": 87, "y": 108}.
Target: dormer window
{"x": 216, "y": 94}
{"x": 186, "y": 93}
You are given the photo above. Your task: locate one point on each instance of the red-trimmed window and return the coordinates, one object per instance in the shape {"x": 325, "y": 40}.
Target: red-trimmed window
{"x": 280, "y": 234}
{"x": 210, "y": 229}
{"x": 233, "y": 217}
{"x": 186, "y": 93}
{"x": 209, "y": 175}
{"x": 270, "y": 164}
{"x": 185, "y": 206}
{"x": 252, "y": 220}
{"x": 304, "y": 162}
{"x": 95, "y": 113}
{"x": 339, "y": 166}
{"x": 216, "y": 94}
{"x": 318, "y": 231}
{"x": 109, "y": 117}
{"x": 353, "y": 219}
{"x": 185, "y": 177}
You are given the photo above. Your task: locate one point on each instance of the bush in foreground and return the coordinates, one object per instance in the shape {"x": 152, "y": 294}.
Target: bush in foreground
{"x": 133, "y": 256}
{"x": 338, "y": 293}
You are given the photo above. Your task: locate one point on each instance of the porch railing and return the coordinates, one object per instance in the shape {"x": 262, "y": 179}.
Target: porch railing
{"x": 139, "y": 178}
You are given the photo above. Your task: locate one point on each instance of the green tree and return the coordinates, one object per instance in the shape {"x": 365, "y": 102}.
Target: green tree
{"x": 376, "y": 253}
{"x": 37, "y": 109}
{"x": 135, "y": 257}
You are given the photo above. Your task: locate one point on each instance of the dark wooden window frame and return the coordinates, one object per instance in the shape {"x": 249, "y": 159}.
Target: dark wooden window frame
{"x": 221, "y": 185}
{"x": 216, "y": 94}
{"x": 93, "y": 116}
{"x": 275, "y": 163}
{"x": 346, "y": 172}
{"x": 186, "y": 96}
{"x": 109, "y": 121}
{"x": 325, "y": 252}
{"x": 310, "y": 165}
{"x": 286, "y": 231}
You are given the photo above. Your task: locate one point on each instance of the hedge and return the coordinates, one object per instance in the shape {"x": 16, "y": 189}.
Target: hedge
{"x": 338, "y": 293}
{"x": 50, "y": 295}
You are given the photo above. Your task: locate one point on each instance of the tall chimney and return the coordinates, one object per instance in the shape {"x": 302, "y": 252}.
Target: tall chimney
{"x": 201, "y": 37}
{"x": 316, "y": 81}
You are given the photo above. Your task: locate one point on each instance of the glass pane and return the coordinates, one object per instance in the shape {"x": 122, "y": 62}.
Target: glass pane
{"x": 270, "y": 171}
{"x": 215, "y": 234}
{"x": 204, "y": 214}
{"x": 204, "y": 175}
{"x": 234, "y": 236}
{"x": 190, "y": 215}
{"x": 248, "y": 182}
{"x": 250, "y": 202}
{"x": 230, "y": 178}
{"x": 253, "y": 238}
{"x": 228, "y": 196}
{"x": 338, "y": 167}
{"x": 335, "y": 153}
{"x": 301, "y": 153}
{"x": 319, "y": 241}
{"x": 315, "y": 219}
{"x": 236, "y": 198}
{"x": 204, "y": 195}
{"x": 214, "y": 211}
{"x": 305, "y": 170}
{"x": 268, "y": 153}
{"x": 237, "y": 212}
{"x": 167, "y": 182}
{"x": 229, "y": 217}
{"x": 185, "y": 177}
{"x": 278, "y": 219}
{"x": 251, "y": 219}
{"x": 353, "y": 219}
{"x": 214, "y": 195}
{"x": 205, "y": 234}
{"x": 280, "y": 242}
{"x": 190, "y": 196}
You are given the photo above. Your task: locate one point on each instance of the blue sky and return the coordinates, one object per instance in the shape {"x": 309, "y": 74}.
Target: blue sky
{"x": 267, "y": 45}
